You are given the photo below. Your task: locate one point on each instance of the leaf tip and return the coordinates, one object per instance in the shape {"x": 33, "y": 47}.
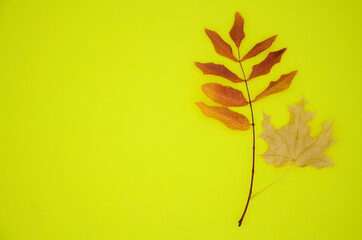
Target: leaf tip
{"x": 292, "y": 74}
{"x": 333, "y": 120}
{"x": 272, "y": 38}
{"x": 303, "y": 101}
{"x": 207, "y": 31}
{"x": 266, "y": 116}
{"x": 199, "y": 103}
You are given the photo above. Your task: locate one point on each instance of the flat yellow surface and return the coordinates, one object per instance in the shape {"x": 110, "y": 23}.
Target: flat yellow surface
{"x": 100, "y": 137}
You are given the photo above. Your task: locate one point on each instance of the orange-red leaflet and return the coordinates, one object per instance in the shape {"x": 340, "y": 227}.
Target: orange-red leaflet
{"x": 230, "y": 118}
{"x": 259, "y": 48}
{"x": 224, "y": 95}
{"x": 265, "y": 66}
{"x": 277, "y": 86}
{"x": 237, "y": 31}
{"x": 221, "y": 47}
{"x": 219, "y": 70}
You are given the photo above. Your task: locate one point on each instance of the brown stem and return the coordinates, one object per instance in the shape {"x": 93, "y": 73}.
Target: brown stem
{"x": 253, "y": 126}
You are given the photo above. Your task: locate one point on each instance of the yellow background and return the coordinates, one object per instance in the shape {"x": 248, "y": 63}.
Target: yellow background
{"x": 100, "y": 137}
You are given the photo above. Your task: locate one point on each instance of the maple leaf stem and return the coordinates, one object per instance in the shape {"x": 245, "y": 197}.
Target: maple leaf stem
{"x": 280, "y": 178}
{"x": 253, "y": 125}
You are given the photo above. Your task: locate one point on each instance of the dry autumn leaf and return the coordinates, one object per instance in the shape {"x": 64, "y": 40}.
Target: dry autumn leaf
{"x": 219, "y": 70}
{"x": 265, "y": 66}
{"x": 237, "y": 31}
{"x": 230, "y": 118}
{"x": 224, "y": 95}
{"x": 259, "y": 48}
{"x": 221, "y": 47}
{"x": 277, "y": 86}
{"x": 293, "y": 143}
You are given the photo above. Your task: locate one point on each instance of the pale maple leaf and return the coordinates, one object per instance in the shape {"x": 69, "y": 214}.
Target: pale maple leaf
{"x": 293, "y": 143}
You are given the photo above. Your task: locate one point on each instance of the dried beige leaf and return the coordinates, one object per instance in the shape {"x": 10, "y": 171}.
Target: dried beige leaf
{"x": 293, "y": 143}
{"x": 230, "y": 118}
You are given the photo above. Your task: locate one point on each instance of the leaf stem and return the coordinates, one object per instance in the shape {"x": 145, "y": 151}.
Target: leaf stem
{"x": 253, "y": 126}
{"x": 280, "y": 178}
